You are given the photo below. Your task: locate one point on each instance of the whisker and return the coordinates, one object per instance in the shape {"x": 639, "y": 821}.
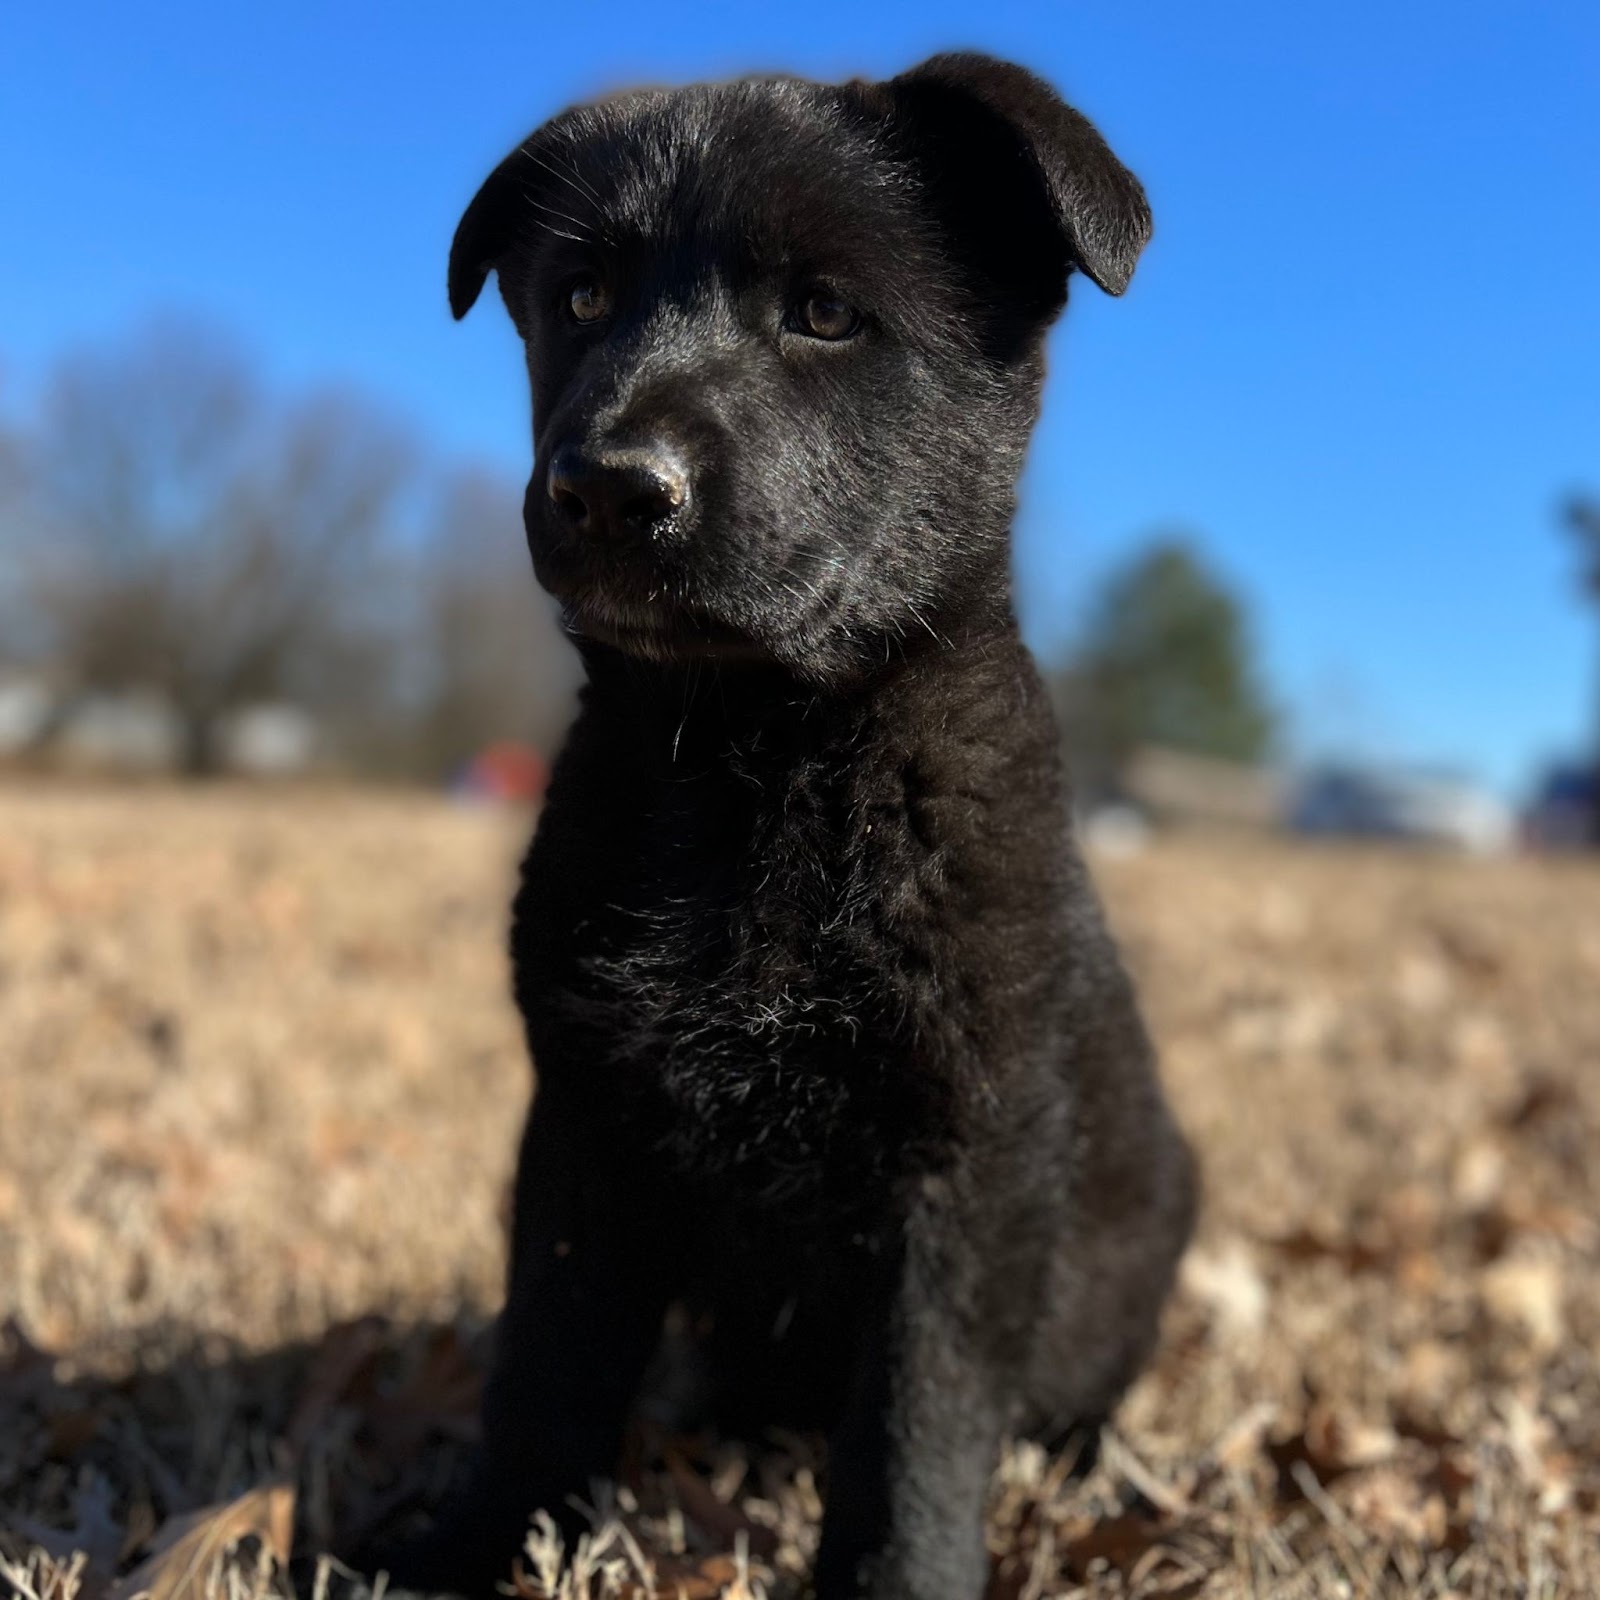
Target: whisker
{"x": 560, "y": 233}
{"x": 574, "y": 183}
{"x": 556, "y": 211}
{"x": 571, "y": 177}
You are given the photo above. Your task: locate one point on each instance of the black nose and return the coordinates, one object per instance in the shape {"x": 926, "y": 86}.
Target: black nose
{"x": 620, "y": 490}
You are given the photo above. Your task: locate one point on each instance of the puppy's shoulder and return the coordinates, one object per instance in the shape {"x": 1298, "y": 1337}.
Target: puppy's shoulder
{"x": 967, "y": 747}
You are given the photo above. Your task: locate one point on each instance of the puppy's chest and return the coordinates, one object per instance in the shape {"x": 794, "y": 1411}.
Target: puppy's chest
{"x": 730, "y": 976}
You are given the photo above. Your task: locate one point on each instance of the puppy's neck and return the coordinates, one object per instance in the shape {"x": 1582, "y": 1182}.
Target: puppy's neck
{"x": 694, "y": 715}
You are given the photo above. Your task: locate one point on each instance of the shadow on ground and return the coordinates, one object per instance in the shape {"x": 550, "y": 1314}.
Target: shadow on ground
{"x": 370, "y": 1423}
{"x": 355, "y": 1437}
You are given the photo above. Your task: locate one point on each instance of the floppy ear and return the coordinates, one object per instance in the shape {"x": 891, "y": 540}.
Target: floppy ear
{"x": 485, "y": 232}
{"x": 1025, "y": 184}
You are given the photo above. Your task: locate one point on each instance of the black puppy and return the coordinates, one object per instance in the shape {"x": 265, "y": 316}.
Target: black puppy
{"x": 833, "y": 1047}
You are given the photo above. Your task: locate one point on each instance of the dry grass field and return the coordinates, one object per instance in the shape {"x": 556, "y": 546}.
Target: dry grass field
{"x": 259, "y": 1089}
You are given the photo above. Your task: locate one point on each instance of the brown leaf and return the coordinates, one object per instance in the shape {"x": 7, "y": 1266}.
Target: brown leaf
{"x": 441, "y": 1396}
{"x": 676, "y": 1578}
{"x": 1525, "y": 1293}
{"x": 1116, "y": 1456}
{"x": 347, "y": 1349}
{"x": 95, "y": 1533}
{"x": 1117, "y": 1541}
{"x": 1337, "y": 1442}
{"x": 1245, "y": 1436}
{"x": 1354, "y": 1255}
{"x": 1394, "y": 1506}
{"x": 723, "y": 1522}
{"x": 1468, "y": 950}
{"x": 697, "y": 1580}
{"x": 25, "y": 1368}
{"x": 188, "y": 1546}
{"x": 68, "y": 1432}
{"x": 1228, "y": 1283}
{"x": 1544, "y": 1097}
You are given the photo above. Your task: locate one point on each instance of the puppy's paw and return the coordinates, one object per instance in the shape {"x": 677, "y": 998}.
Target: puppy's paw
{"x": 470, "y": 1552}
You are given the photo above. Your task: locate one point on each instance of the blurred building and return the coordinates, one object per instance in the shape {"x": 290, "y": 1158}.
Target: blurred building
{"x": 137, "y": 732}
{"x": 1175, "y": 786}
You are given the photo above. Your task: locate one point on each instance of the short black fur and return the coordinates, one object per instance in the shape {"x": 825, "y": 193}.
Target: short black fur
{"x": 833, "y": 1046}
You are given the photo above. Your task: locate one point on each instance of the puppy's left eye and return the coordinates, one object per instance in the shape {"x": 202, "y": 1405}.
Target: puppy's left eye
{"x": 826, "y": 316}
{"x": 587, "y": 300}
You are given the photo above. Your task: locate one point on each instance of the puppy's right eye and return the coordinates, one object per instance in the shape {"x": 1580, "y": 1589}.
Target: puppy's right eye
{"x": 587, "y": 301}
{"x": 825, "y": 316}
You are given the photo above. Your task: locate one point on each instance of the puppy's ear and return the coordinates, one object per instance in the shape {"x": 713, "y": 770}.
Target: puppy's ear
{"x": 485, "y": 231}
{"x": 1025, "y": 185}
{"x": 513, "y": 200}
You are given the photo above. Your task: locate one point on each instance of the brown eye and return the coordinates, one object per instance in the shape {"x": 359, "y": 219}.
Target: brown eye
{"x": 825, "y": 316}
{"x": 587, "y": 301}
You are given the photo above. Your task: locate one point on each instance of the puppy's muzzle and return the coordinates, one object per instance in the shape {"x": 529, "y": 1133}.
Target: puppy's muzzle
{"x": 616, "y": 492}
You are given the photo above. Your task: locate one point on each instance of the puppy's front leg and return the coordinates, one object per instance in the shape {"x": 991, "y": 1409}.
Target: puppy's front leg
{"x": 909, "y": 1466}
{"x": 587, "y": 1290}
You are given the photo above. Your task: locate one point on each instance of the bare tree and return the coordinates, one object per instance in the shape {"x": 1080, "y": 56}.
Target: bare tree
{"x": 15, "y": 617}
{"x": 191, "y": 538}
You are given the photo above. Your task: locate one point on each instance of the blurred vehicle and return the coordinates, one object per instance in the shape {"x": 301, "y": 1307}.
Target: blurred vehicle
{"x": 1376, "y": 803}
{"x": 1565, "y": 809}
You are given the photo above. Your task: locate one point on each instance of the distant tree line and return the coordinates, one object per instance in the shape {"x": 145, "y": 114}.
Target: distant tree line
{"x": 170, "y": 526}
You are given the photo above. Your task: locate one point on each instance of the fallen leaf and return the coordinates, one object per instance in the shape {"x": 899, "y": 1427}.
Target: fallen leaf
{"x": 1117, "y": 1541}
{"x": 95, "y": 1534}
{"x": 724, "y": 1522}
{"x": 1246, "y": 1436}
{"x": 1393, "y": 1506}
{"x": 25, "y": 1368}
{"x": 347, "y": 1349}
{"x": 1227, "y": 1282}
{"x": 1354, "y": 1255}
{"x": 1117, "y": 1456}
{"x": 68, "y": 1432}
{"x": 1337, "y": 1442}
{"x": 1545, "y": 1096}
{"x": 1479, "y": 1172}
{"x": 1532, "y": 1439}
{"x": 441, "y": 1396}
{"x": 1525, "y": 1293}
{"x": 186, "y": 1549}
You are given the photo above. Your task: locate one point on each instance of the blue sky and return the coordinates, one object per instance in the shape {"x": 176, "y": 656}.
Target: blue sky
{"x": 1361, "y": 359}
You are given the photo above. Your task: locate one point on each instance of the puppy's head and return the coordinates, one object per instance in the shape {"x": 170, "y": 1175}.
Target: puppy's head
{"x": 784, "y": 340}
